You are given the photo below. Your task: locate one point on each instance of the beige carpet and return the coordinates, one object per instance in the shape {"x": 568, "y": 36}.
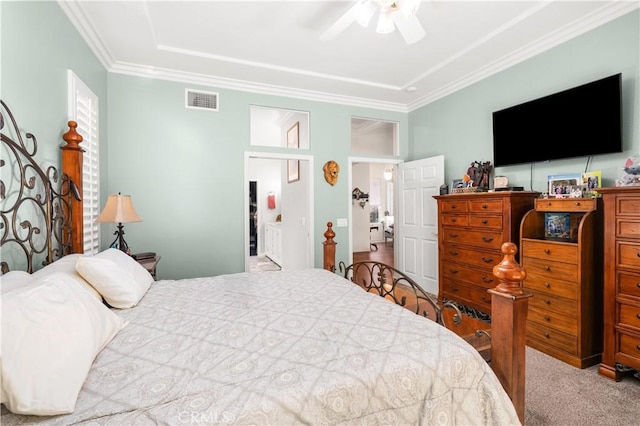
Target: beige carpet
{"x": 559, "y": 394}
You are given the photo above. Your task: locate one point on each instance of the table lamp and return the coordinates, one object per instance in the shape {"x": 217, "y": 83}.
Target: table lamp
{"x": 119, "y": 209}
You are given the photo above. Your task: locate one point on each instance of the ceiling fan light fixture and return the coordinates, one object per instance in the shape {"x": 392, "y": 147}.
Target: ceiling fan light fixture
{"x": 364, "y": 13}
{"x": 409, "y": 7}
{"x": 385, "y": 22}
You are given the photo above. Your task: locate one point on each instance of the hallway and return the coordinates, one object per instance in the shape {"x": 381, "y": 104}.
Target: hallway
{"x": 384, "y": 254}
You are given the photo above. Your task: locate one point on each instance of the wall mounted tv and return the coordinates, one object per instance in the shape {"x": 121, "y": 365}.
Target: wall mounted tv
{"x": 578, "y": 122}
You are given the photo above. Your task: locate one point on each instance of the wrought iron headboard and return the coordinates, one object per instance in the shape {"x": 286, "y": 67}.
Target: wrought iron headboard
{"x": 35, "y": 202}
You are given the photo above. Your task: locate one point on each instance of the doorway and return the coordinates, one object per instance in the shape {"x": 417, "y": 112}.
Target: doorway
{"x": 253, "y": 218}
{"x": 282, "y": 206}
{"x": 372, "y": 217}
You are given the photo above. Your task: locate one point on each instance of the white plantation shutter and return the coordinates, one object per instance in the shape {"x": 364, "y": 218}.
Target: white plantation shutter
{"x": 83, "y": 108}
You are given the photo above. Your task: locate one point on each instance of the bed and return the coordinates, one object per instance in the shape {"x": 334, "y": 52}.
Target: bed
{"x": 278, "y": 347}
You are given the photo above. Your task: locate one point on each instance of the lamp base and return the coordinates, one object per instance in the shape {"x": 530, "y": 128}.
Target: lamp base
{"x": 119, "y": 242}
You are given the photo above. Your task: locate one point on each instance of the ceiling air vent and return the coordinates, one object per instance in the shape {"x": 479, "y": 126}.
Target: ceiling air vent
{"x": 201, "y": 100}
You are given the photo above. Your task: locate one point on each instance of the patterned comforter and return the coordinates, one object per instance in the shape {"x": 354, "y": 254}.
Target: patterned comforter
{"x": 298, "y": 347}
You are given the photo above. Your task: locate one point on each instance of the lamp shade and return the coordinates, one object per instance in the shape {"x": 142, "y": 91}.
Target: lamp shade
{"x": 118, "y": 209}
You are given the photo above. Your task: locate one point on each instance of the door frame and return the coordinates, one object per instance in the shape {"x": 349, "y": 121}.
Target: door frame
{"x": 310, "y": 185}
{"x": 350, "y": 161}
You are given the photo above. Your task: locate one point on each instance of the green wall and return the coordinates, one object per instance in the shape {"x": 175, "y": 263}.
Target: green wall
{"x": 460, "y": 125}
{"x": 39, "y": 45}
{"x": 184, "y": 169}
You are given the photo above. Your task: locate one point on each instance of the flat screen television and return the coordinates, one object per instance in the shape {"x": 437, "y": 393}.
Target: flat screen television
{"x": 577, "y": 122}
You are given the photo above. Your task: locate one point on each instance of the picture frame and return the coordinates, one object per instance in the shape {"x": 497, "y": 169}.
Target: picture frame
{"x": 293, "y": 141}
{"x": 565, "y": 186}
{"x": 559, "y": 227}
{"x": 591, "y": 181}
{"x": 457, "y": 183}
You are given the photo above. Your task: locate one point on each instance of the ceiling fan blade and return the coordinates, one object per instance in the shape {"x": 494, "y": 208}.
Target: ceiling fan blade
{"x": 348, "y": 18}
{"x": 410, "y": 28}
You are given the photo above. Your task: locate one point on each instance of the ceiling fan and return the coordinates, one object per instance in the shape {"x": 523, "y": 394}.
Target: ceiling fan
{"x": 392, "y": 14}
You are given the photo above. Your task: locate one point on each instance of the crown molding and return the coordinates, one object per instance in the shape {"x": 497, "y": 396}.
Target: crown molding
{"x": 597, "y": 18}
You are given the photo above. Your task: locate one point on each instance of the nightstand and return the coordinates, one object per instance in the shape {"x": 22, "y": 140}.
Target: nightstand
{"x": 150, "y": 264}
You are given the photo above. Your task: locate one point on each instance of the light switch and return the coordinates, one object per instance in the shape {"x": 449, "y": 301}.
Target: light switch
{"x": 342, "y": 222}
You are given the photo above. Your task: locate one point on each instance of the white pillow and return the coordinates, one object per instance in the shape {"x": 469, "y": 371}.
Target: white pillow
{"x": 120, "y": 280}
{"x": 52, "y": 331}
{"x": 14, "y": 279}
{"x": 67, "y": 265}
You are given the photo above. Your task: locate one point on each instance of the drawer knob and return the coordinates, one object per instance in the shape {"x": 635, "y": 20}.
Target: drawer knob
{"x": 453, "y": 289}
{"x": 484, "y": 298}
{"x": 490, "y": 260}
{"x": 454, "y": 220}
{"x": 638, "y": 254}
{"x": 547, "y": 285}
{"x": 546, "y": 335}
{"x": 487, "y": 239}
{"x": 547, "y": 268}
{"x": 453, "y": 253}
{"x": 453, "y": 235}
{"x": 485, "y": 221}
{"x": 547, "y": 301}
{"x": 638, "y": 285}
{"x": 453, "y": 271}
{"x": 484, "y": 206}
{"x": 547, "y": 251}
{"x": 577, "y": 203}
{"x": 453, "y": 207}
{"x": 638, "y": 315}
{"x": 486, "y": 280}
{"x": 638, "y": 347}
{"x": 547, "y": 318}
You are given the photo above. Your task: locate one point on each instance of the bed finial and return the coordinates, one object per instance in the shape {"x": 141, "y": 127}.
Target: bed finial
{"x": 329, "y": 248}
{"x": 509, "y": 272}
{"x": 72, "y": 137}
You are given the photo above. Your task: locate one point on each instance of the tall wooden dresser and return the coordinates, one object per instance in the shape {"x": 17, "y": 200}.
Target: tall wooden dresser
{"x": 471, "y": 230}
{"x": 621, "y": 350}
{"x": 561, "y": 250}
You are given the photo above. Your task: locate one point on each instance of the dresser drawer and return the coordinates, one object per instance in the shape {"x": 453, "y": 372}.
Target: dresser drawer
{"x": 628, "y": 284}
{"x": 563, "y": 205}
{"x": 478, "y": 277}
{"x": 630, "y": 316}
{"x": 485, "y": 206}
{"x": 489, "y": 222}
{"x": 627, "y": 228}
{"x": 451, "y": 206}
{"x": 630, "y": 346}
{"x": 479, "y": 239}
{"x": 552, "y": 286}
{"x": 455, "y": 219}
{"x": 468, "y": 295}
{"x": 550, "y": 336}
{"x": 560, "y": 252}
{"x": 546, "y": 302}
{"x": 554, "y": 320}
{"x": 628, "y": 206}
{"x": 550, "y": 269}
{"x": 629, "y": 255}
{"x": 459, "y": 254}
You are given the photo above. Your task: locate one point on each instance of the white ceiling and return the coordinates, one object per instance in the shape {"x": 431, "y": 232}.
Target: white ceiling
{"x": 273, "y": 47}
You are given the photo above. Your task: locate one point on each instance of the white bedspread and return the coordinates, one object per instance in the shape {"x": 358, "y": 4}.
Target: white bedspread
{"x": 300, "y": 347}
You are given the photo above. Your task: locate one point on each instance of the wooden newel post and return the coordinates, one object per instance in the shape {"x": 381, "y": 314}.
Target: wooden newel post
{"x": 72, "y": 167}
{"x": 329, "y": 248}
{"x": 509, "y": 305}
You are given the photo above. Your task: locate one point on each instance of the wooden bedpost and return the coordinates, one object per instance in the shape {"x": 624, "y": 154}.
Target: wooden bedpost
{"x": 509, "y": 304}
{"x": 329, "y": 249}
{"x": 72, "y": 167}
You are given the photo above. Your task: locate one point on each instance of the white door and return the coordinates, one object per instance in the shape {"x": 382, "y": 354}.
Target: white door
{"x": 416, "y": 227}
